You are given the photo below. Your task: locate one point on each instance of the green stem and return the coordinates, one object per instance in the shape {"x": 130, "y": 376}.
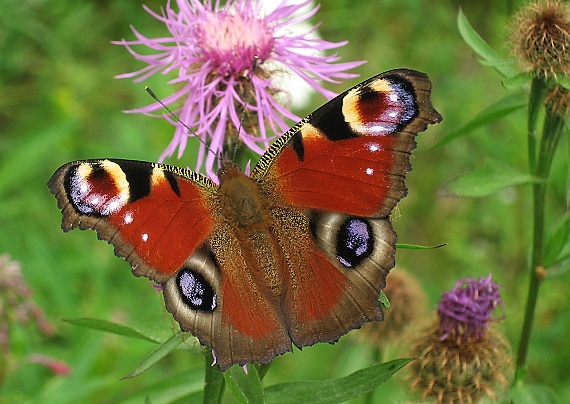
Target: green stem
{"x": 552, "y": 131}
{"x": 214, "y": 382}
{"x": 537, "y": 93}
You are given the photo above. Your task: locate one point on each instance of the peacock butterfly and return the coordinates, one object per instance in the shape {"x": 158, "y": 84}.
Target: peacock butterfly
{"x": 295, "y": 253}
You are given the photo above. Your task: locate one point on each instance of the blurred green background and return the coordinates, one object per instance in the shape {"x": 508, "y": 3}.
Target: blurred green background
{"x": 59, "y": 102}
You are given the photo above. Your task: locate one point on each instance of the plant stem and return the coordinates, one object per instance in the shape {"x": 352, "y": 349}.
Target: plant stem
{"x": 537, "y": 93}
{"x": 552, "y": 131}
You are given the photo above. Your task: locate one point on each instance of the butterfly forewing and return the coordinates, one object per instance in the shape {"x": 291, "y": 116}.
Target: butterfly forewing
{"x": 352, "y": 154}
{"x": 154, "y": 215}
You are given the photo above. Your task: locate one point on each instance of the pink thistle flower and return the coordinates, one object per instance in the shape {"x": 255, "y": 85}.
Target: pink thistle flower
{"x": 466, "y": 310}
{"x": 212, "y": 48}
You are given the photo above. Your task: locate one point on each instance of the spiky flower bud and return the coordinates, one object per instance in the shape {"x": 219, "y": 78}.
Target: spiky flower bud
{"x": 540, "y": 38}
{"x": 461, "y": 359}
{"x": 558, "y": 101}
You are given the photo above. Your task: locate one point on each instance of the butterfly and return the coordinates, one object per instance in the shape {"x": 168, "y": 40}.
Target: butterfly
{"x": 295, "y": 253}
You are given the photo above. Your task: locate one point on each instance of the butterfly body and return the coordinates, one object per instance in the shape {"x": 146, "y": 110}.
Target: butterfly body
{"x": 295, "y": 253}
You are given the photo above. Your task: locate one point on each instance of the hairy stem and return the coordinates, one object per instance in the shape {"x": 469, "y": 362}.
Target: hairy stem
{"x": 552, "y": 131}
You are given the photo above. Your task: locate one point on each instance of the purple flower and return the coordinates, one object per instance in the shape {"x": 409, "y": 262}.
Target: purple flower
{"x": 466, "y": 310}
{"x": 16, "y": 304}
{"x": 212, "y": 48}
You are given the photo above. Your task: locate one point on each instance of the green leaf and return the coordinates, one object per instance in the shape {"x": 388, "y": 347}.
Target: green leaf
{"x": 556, "y": 240}
{"x": 518, "y": 81}
{"x": 532, "y": 394}
{"x": 492, "y": 113}
{"x": 481, "y": 48}
{"x": 107, "y": 326}
{"x": 334, "y": 390}
{"x": 384, "y": 301}
{"x": 405, "y": 246}
{"x": 245, "y": 387}
{"x": 563, "y": 81}
{"x": 184, "y": 387}
{"x": 492, "y": 177}
{"x": 160, "y": 352}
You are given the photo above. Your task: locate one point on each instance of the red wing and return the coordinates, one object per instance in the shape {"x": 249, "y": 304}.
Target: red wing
{"x": 154, "y": 215}
{"x": 352, "y": 154}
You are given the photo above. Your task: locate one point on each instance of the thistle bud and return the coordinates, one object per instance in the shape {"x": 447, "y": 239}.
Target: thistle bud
{"x": 540, "y": 38}
{"x": 461, "y": 359}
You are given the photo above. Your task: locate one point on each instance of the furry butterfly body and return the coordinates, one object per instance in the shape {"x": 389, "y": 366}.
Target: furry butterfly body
{"x": 295, "y": 253}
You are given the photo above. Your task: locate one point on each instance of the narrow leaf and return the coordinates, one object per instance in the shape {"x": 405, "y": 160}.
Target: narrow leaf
{"x": 160, "y": 352}
{"x": 556, "y": 241}
{"x": 168, "y": 388}
{"x": 383, "y": 299}
{"x": 245, "y": 387}
{"x": 564, "y": 81}
{"x": 334, "y": 390}
{"x": 418, "y": 247}
{"x": 492, "y": 113}
{"x": 107, "y": 326}
{"x": 517, "y": 81}
{"x": 492, "y": 177}
{"x": 481, "y": 48}
{"x": 532, "y": 394}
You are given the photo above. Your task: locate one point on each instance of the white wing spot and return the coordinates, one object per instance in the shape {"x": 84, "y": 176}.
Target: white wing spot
{"x": 144, "y": 237}
{"x": 373, "y": 147}
{"x": 128, "y": 218}
{"x": 369, "y": 171}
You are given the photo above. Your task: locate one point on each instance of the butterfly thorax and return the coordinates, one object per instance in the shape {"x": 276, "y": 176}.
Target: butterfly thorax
{"x": 241, "y": 201}
{"x": 247, "y": 217}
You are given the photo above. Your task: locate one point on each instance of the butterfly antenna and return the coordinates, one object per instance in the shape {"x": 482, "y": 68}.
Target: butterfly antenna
{"x": 242, "y": 118}
{"x": 173, "y": 115}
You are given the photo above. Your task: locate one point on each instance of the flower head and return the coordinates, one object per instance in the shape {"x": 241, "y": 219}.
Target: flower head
{"x": 466, "y": 310}
{"x": 540, "y": 37}
{"x": 465, "y": 373}
{"x": 228, "y": 60}
{"x": 558, "y": 101}
{"x": 461, "y": 359}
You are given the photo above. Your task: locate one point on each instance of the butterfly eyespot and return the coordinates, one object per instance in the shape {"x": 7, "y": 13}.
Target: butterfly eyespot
{"x": 97, "y": 189}
{"x": 399, "y": 107}
{"x": 195, "y": 291}
{"x": 355, "y": 242}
